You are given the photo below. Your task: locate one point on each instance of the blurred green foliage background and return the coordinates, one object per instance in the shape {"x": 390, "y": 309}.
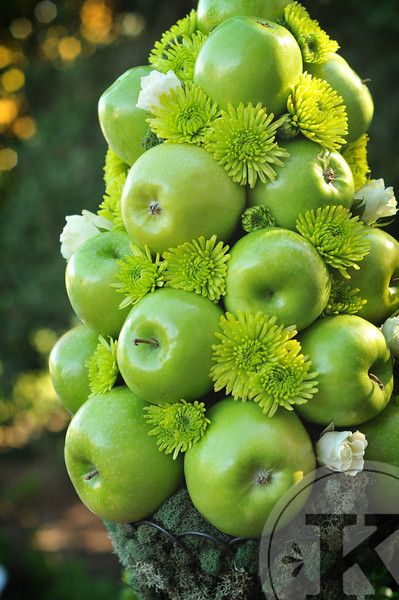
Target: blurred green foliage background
{"x": 56, "y": 58}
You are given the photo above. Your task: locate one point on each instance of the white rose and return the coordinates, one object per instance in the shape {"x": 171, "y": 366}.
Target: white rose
{"x": 80, "y": 228}
{"x": 153, "y": 86}
{"x": 390, "y": 329}
{"x": 380, "y": 202}
{"x": 342, "y": 451}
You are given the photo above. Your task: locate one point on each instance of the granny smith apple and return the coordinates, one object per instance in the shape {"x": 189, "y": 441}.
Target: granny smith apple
{"x": 277, "y": 272}
{"x": 122, "y": 123}
{"x": 115, "y": 466}
{"x": 347, "y": 83}
{"x": 382, "y": 435}
{"x": 165, "y": 346}
{"x": 67, "y": 364}
{"x": 176, "y": 193}
{"x": 311, "y": 178}
{"x": 89, "y": 274}
{"x": 212, "y": 12}
{"x": 249, "y": 60}
{"x": 355, "y": 370}
{"x": 378, "y": 277}
{"x": 243, "y": 465}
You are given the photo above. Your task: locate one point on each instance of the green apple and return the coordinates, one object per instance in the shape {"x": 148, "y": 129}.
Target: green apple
{"x": 212, "y": 12}
{"x": 356, "y": 95}
{"x": 378, "y": 277}
{"x": 382, "y": 434}
{"x": 243, "y": 465}
{"x": 122, "y": 123}
{"x": 355, "y": 371}
{"x": 115, "y": 466}
{"x": 89, "y": 274}
{"x": 248, "y": 60}
{"x": 165, "y": 346}
{"x": 67, "y": 364}
{"x": 277, "y": 272}
{"x": 177, "y": 192}
{"x": 311, "y": 178}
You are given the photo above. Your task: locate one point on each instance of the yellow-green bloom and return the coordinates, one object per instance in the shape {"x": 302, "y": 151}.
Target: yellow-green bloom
{"x": 102, "y": 366}
{"x": 186, "y": 26}
{"x": 257, "y": 217}
{"x": 199, "y": 267}
{"x": 339, "y": 237}
{"x": 178, "y": 55}
{"x": 247, "y": 343}
{"x": 184, "y": 115}
{"x": 243, "y": 141}
{"x": 177, "y": 426}
{"x": 113, "y": 168}
{"x": 355, "y": 155}
{"x": 343, "y": 298}
{"x": 110, "y": 207}
{"x": 318, "y": 112}
{"x": 138, "y": 275}
{"x": 314, "y": 42}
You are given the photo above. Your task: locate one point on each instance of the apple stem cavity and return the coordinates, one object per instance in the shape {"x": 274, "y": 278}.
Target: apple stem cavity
{"x": 263, "y": 477}
{"x": 150, "y": 341}
{"x": 377, "y": 381}
{"x": 91, "y": 475}
{"x": 329, "y": 175}
{"x": 154, "y": 208}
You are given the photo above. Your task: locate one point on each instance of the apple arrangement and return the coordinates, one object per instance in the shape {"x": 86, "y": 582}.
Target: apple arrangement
{"x": 236, "y": 289}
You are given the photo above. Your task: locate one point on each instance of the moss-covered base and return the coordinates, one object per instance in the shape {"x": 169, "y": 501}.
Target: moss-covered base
{"x": 160, "y": 568}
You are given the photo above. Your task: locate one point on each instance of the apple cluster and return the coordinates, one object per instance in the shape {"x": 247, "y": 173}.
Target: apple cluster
{"x": 232, "y": 287}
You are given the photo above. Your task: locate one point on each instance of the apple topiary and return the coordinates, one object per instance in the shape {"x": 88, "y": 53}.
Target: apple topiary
{"x": 231, "y": 289}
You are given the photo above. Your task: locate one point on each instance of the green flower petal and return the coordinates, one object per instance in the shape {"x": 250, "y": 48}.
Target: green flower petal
{"x": 355, "y": 155}
{"x": 257, "y": 217}
{"x": 243, "y": 141}
{"x": 199, "y": 267}
{"x": 339, "y": 238}
{"x": 343, "y": 298}
{"x": 178, "y": 55}
{"x": 102, "y": 366}
{"x": 177, "y": 426}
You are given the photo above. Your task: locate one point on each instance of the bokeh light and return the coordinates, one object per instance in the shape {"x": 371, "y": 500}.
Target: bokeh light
{"x": 96, "y": 21}
{"x": 6, "y": 56}
{"x": 8, "y": 111}
{"x": 24, "y": 127}
{"x": 13, "y": 80}
{"x": 8, "y": 159}
{"x": 45, "y": 11}
{"x": 21, "y": 28}
{"x": 69, "y": 48}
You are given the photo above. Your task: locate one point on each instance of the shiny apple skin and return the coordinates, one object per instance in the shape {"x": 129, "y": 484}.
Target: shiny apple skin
{"x": 213, "y": 12}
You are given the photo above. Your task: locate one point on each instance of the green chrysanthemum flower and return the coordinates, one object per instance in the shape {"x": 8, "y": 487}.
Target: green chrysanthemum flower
{"x": 102, "y": 366}
{"x": 186, "y": 26}
{"x": 177, "y": 426}
{"x": 343, "y": 298}
{"x": 257, "y": 217}
{"x": 243, "y": 141}
{"x": 318, "y": 112}
{"x": 313, "y": 41}
{"x": 139, "y": 275}
{"x": 339, "y": 238}
{"x": 199, "y": 266}
{"x": 178, "y": 55}
{"x": 355, "y": 155}
{"x": 113, "y": 168}
{"x": 286, "y": 382}
{"x": 184, "y": 115}
{"x": 110, "y": 207}
{"x": 248, "y": 342}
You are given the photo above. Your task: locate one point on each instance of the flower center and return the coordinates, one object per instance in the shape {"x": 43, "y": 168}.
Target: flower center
{"x": 282, "y": 381}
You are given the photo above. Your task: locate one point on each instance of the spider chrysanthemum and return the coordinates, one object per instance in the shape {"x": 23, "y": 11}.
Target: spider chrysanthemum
{"x": 355, "y": 155}
{"x": 314, "y": 42}
{"x": 243, "y": 141}
{"x": 138, "y": 275}
{"x": 257, "y": 217}
{"x": 247, "y": 342}
{"x": 339, "y": 237}
{"x": 318, "y": 112}
{"x": 102, "y": 366}
{"x": 199, "y": 266}
{"x": 177, "y": 426}
{"x": 110, "y": 207}
{"x": 184, "y": 115}
{"x": 113, "y": 168}
{"x": 286, "y": 382}
{"x": 186, "y": 26}
{"x": 343, "y": 298}
{"x": 178, "y": 55}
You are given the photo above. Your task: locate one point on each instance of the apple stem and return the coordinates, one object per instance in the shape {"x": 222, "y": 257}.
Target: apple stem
{"x": 151, "y": 341}
{"x": 91, "y": 475}
{"x": 329, "y": 175}
{"x": 377, "y": 381}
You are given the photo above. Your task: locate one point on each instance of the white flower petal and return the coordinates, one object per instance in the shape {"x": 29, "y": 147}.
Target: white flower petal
{"x": 80, "y": 228}
{"x": 342, "y": 451}
{"x": 379, "y": 202}
{"x": 153, "y": 86}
